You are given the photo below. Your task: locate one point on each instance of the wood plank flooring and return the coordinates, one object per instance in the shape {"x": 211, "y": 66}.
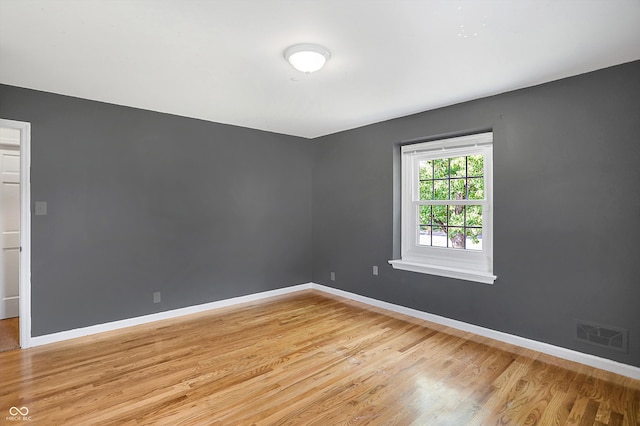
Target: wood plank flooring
{"x": 305, "y": 359}
{"x": 9, "y": 334}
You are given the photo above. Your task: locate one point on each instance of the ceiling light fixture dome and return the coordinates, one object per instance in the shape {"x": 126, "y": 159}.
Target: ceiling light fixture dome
{"x": 307, "y": 57}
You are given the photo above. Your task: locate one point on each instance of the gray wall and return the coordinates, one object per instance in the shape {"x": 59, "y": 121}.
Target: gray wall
{"x": 141, "y": 202}
{"x": 566, "y": 211}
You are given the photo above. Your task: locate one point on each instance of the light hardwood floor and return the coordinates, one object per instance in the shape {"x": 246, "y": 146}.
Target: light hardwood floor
{"x": 9, "y": 334}
{"x": 305, "y": 359}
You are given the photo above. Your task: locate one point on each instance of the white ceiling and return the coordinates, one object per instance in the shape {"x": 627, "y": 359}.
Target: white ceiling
{"x": 223, "y": 60}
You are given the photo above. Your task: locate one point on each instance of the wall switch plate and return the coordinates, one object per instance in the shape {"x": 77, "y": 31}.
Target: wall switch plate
{"x": 156, "y": 297}
{"x": 41, "y": 208}
{"x": 333, "y": 276}
{"x": 375, "y": 270}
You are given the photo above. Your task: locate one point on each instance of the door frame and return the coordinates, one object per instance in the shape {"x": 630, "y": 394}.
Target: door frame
{"x": 25, "y": 228}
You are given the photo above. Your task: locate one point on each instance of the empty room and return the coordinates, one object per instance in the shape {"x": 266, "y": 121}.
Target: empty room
{"x": 382, "y": 212}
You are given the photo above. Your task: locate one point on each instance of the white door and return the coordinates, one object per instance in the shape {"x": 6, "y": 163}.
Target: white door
{"x": 9, "y": 223}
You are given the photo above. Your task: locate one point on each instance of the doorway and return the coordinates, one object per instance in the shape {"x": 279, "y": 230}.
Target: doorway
{"x": 15, "y": 226}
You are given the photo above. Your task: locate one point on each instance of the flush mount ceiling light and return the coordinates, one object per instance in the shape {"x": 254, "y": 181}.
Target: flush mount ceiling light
{"x": 307, "y": 57}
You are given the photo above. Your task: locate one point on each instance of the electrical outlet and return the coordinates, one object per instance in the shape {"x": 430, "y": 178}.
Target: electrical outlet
{"x": 156, "y": 297}
{"x": 375, "y": 270}
{"x": 333, "y": 276}
{"x": 41, "y": 208}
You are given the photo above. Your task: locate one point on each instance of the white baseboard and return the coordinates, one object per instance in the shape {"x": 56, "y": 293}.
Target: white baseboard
{"x": 557, "y": 351}
{"x": 115, "y": 325}
{"x": 568, "y": 354}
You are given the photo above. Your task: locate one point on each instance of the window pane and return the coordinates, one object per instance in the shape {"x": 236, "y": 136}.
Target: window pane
{"x": 458, "y": 227}
{"x": 458, "y": 167}
{"x": 440, "y": 226}
{"x": 426, "y": 190}
{"x": 476, "y": 165}
{"x": 474, "y": 239}
{"x": 440, "y": 215}
{"x": 425, "y": 215}
{"x": 458, "y": 190}
{"x": 426, "y": 170}
{"x": 474, "y": 216}
{"x": 441, "y": 190}
{"x": 424, "y": 238}
{"x": 456, "y": 237}
{"x": 476, "y": 188}
{"x": 473, "y": 231}
{"x": 456, "y": 216}
{"x": 439, "y": 237}
{"x": 441, "y": 168}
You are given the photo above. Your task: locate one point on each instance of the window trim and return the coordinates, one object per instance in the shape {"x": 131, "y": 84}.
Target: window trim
{"x": 468, "y": 265}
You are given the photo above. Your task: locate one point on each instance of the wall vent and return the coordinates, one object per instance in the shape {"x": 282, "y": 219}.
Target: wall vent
{"x": 602, "y": 335}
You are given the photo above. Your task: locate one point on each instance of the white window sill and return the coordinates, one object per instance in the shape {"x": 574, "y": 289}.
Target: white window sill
{"x": 462, "y": 274}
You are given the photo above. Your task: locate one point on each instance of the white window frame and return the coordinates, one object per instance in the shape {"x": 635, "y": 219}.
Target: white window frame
{"x": 471, "y": 265}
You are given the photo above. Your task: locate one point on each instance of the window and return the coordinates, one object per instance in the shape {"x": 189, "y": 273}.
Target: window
{"x": 447, "y": 208}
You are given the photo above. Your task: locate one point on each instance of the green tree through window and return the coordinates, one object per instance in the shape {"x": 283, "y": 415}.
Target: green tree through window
{"x": 451, "y": 225}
